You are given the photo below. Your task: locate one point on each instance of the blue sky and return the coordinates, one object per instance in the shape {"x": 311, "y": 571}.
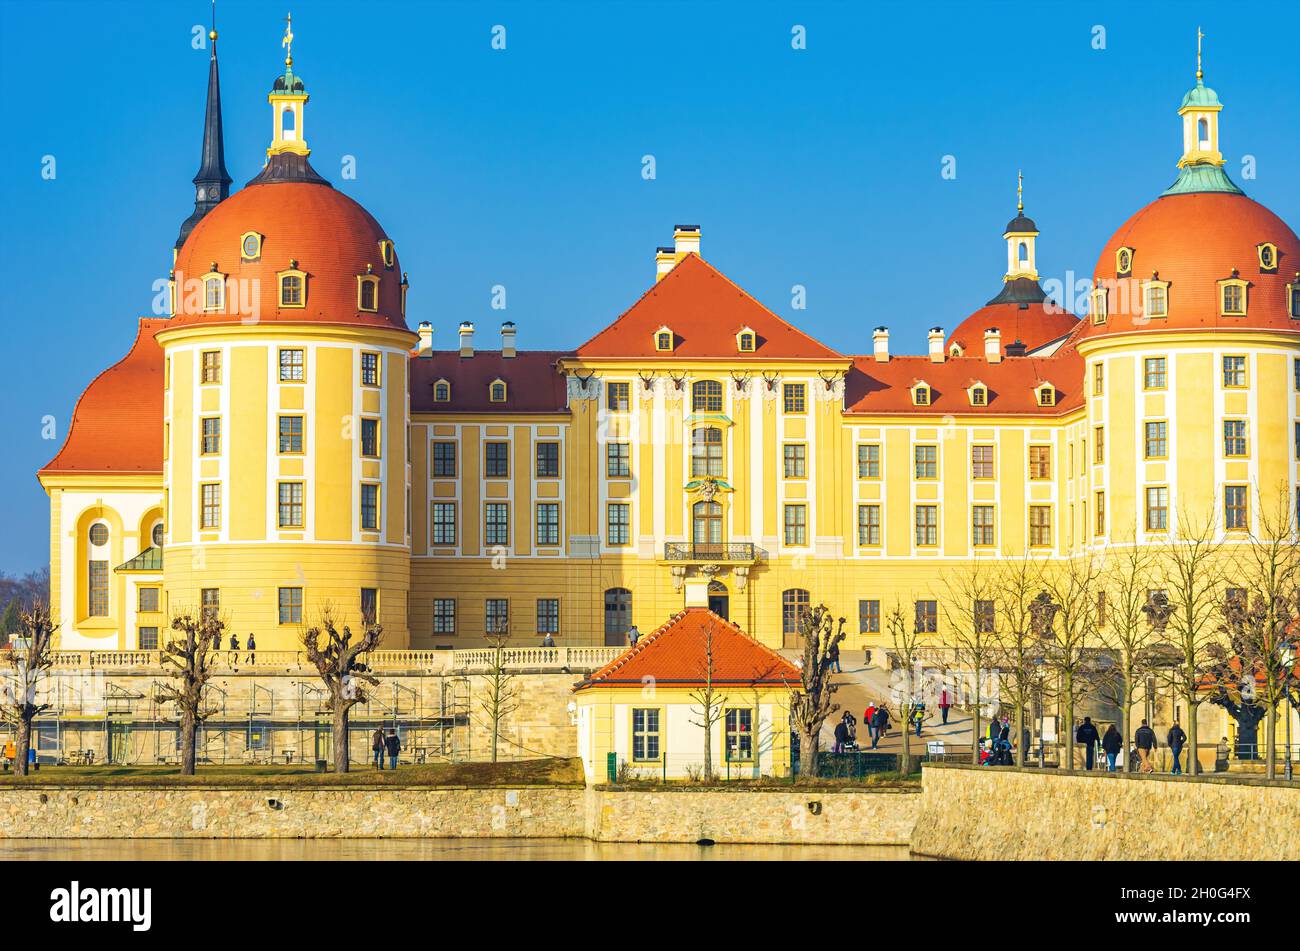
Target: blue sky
{"x": 522, "y": 167}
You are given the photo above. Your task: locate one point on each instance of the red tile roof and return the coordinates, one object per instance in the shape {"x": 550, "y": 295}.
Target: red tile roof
{"x": 117, "y": 423}
{"x": 1032, "y": 324}
{"x": 705, "y": 311}
{"x": 532, "y": 383}
{"x": 675, "y": 655}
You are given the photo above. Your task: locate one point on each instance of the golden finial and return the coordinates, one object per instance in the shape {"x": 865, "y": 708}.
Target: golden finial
{"x": 287, "y": 42}
{"x": 1199, "y": 36}
{"x": 1020, "y": 192}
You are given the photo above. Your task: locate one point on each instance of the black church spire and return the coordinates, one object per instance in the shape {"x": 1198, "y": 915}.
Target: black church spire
{"x": 212, "y": 182}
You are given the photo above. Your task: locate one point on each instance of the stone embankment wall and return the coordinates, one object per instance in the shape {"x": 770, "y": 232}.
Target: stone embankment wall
{"x": 976, "y": 813}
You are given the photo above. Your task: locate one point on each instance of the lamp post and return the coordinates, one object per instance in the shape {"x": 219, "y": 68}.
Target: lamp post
{"x": 1288, "y": 665}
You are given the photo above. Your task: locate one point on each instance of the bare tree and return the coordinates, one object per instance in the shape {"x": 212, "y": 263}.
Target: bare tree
{"x": 1021, "y": 655}
{"x": 708, "y": 702}
{"x": 500, "y": 698}
{"x": 812, "y": 703}
{"x": 187, "y": 660}
{"x": 31, "y": 662}
{"x": 338, "y": 662}
{"x": 905, "y": 637}
{"x": 1067, "y": 609}
{"x": 972, "y": 616}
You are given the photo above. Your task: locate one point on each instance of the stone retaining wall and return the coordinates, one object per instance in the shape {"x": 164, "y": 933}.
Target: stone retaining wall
{"x": 977, "y": 813}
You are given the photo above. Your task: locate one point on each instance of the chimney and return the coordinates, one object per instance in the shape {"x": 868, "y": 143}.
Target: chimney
{"x": 664, "y": 261}
{"x": 508, "y": 339}
{"x": 686, "y": 239}
{"x": 993, "y": 345}
{"x": 425, "y": 347}
{"x": 880, "y": 344}
{"x": 1017, "y": 349}
{"x": 936, "y": 344}
{"x": 467, "y": 339}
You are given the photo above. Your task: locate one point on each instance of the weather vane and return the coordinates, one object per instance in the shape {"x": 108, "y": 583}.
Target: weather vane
{"x": 1199, "y": 36}
{"x": 287, "y": 42}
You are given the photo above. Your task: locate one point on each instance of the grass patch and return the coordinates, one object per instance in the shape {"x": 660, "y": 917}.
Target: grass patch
{"x": 536, "y": 772}
{"x": 876, "y": 782}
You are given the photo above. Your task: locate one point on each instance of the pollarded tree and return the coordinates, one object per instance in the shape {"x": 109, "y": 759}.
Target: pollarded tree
{"x": 30, "y": 663}
{"x": 338, "y": 661}
{"x": 812, "y": 703}
{"x": 186, "y": 658}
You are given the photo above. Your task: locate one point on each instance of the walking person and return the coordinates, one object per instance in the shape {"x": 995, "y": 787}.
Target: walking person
{"x": 1144, "y": 738}
{"x": 841, "y": 736}
{"x": 252, "y": 646}
{"x": 881, "y": 719}
{"x": 1111, "y": 744}
{"x": 393, "y": 746}
{"x": 869, "y": 718}
{"x": 633, "y": 635}
{"x": 234, "y": 644}
{"x": 1087, "y": 735}
{"x": 1177, "y": 739}
{"x": 851, "y": 722}
{"x": 945, "y": 702}
{"x": 834, "y": 655}
{"x": 377, "y": 748}
{"x": 918, "y": 717}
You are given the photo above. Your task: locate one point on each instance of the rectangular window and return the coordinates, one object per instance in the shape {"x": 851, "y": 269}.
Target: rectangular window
{"x": 793, "y": 456}
{"x": 290, "y": 505}
{"x": 211, "y": 443}
{"x": 1234, "y": 371}
{"x": 548, "y": 615}
{"x": 210, "y": 602}
{"x": 927, "y": 524}
{"x": 1040, "y": 462}
{"x": 1295, "y": 374}
{"x": 496, "y": 460}
{"x": 1040, "y": 525}
{"x": 618, "y": 460}
{"x": 1154, "y": 373}
{"x": 211, "y": 366}
{"x": 369, "y": 369}
{"x": 369, "y": 605}
{"x": 1098, "y": 379}
{"x": 1157, "y": 300}
{"x": 496, "y": 523}
{"x": 98, "y": 589}
{"x": 617, "y": 397}
{"x": 794, "y": 397}
{"x": 740, "y": 734}
{"x": 796, "y": 525}
{"x": 210, "y": 505}
{"x": 706, "y": 397}
{"x": 291, "y": 366}
{"x": 1155, "y": 441}
{"x": 645, "y": 734}
{"x": 291, "y": 605}
{"x": 1234, "y": 437}
{"x": 369, "y": 507}
{"x": 1099, "y": 444}
{"x": 370, "y": 438}
{"x": 869, "y": 617}
{"x": 983, "y": 616}
{"x": 548, "y": 523}
{"x": 927, "y": 617}
{"x": 1100, "y": 528}
{"x": 619, "y": 527}
{"x": 496, "y": 615}
{"x": 444, "y": 460}
{"x": 868, "y": 524}
{"x": 444, "y": 523}
{"x": 981, "y": 462}
{"x": 148, "y": 638}
{"x": 1234, "y": 508}
{"x": 548, "y": 460}
{"x": 290, "y": 434}
{"x": 926, "y": 459}
{"x": 981, "y": 524}
{"x": 869, "y": 461}
{"x": 146, "y": 600}
{"x": 1157, "y": 508}
{"x": 444, "y": 615}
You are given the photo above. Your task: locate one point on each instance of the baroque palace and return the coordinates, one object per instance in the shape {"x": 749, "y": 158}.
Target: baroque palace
{"x": 282, "y": 440}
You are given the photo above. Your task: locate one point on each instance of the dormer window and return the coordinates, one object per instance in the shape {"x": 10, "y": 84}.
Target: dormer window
{"x": 1293, "y": 297}
{"x": 293, "y": 286}
{"x": 956, "y": 351}
{"x": 1099, "y": 311}
{"x": 746, "y": 340}
{"x": 368, "y": 293}
{"x": 1155, "y": 298}
{"x": 1232, "y": 297}
{"x": 1124, "y": 262}
{"x": 386, "y": 253}
{"x": 497, "y": 391}
{"x": 250, "y": 246}
{"x": 214, "y": 291}
{"x": 442, "y": 392}
{"x": 1267, "y": 257}
{"x": 979, "y": 394}
{"x": 921, "y": 394}
{"x": 1046, "y": 394}
{"x": 664, "y": 340}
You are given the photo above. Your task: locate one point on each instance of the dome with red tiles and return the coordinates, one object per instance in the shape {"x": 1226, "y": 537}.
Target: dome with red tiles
{"x": 1190, "y": 243}
{"x": 1032, "y": 323}
{"x": 288, "y": 222}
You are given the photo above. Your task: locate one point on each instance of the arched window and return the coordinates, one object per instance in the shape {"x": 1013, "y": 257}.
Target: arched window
{"x": 497, "y": 392}
{"x": 442, "y": 392}
{"x": 1203, "y": 133}
{"x": 706, "y": 519}
{"x": 1024, "y": 253}
{"x": 706, "y": 452}
{"x": 156, "y": 536}
{"x": 291, "y": 291}
{"x": 97, "y": 571}
{"x": 706, "y": 397}
{"x": 214, "y": 293}
{"x": 794, "y": 602}
{"x": 618, "y": 614}
{"x": 368, "y": 293}
{"x": 290, "y": 117}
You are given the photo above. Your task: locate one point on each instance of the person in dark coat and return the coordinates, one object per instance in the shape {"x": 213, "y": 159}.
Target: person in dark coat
{"x": 1087, "y": 735}
{"x": 945, "y": 702}
{"x": 1144, "y": 739}
{"x": 234, "y": 642}
{"x": 1176, "y": 739}
{"x": 377, "y": 748}
{"x": 394, "y": 746}
{"x": 882, "y": 725}
{"x": 251, "y": 644}
{"x": 1111, "y": 744}
{"x": 841, "y": 736}
{"x": 834, "y": 656}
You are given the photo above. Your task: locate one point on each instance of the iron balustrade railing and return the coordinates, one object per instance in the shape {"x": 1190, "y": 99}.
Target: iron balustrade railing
{"x": 711, "y": 551}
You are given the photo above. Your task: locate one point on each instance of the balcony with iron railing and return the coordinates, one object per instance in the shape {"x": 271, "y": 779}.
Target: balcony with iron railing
{"x": 721, "y": 553}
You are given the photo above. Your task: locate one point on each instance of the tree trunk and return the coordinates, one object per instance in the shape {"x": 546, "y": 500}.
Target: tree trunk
{"x": 23, "y": 743}
{"x": 975, "y": 725}
{"x": 708, "y": 745}
{"x": 1193, "y": 761}
{"x": 341, "y": 744}
{"x": 808, "y": 754}
{"x": 188, "y": 727}
{"x": 1270, "y": 743}
{"x": 905, "y": 764}
{"x": 1020, "y": 735}
{"x": 1068, "y": 689}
